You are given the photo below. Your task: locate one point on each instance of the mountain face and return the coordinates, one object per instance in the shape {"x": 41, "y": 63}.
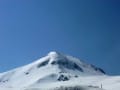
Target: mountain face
{"x": 51, "y": 68}
{"x": 56, "y": 70}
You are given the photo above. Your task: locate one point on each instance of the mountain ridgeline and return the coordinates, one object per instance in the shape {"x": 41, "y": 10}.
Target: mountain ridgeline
{"x": 53, "y": 67}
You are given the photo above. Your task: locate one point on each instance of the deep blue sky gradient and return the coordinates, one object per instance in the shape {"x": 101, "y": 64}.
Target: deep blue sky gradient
{"x": 87, "y": 29}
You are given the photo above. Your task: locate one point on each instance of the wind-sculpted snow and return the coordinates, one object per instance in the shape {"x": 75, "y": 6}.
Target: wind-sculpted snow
{"x": 43, "y": 63}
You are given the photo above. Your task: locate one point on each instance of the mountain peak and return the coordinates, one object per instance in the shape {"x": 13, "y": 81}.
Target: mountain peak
{"x": 53, "y": 67}
{"x": 52, "y": 70}
{"x": 55, "y": 54}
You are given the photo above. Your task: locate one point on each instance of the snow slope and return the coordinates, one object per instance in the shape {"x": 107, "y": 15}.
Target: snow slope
{"x": 55, "y": 70}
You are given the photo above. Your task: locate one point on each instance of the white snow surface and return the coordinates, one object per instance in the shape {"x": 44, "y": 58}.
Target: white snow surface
{"x": 56, "y": 70}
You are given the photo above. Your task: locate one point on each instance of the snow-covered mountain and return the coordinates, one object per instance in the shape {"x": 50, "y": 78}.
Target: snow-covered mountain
{"x": 54, "y": 70}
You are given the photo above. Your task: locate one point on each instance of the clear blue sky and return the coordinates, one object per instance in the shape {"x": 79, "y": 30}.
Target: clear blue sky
{"x": 87, "y": 29}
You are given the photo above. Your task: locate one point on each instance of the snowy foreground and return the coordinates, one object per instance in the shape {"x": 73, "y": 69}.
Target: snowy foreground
{"x": 57, "y": 71}
{"x": 85, "y": 83}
